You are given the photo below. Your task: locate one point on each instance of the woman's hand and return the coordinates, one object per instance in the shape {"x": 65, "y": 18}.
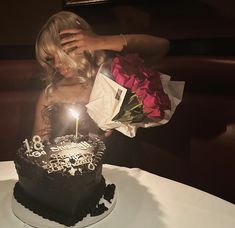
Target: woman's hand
{"x": 106, "y": 134}
{"x": 77, "y": 40}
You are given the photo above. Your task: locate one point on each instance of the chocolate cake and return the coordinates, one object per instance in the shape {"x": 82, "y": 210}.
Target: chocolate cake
{"x": 62, "y": 180}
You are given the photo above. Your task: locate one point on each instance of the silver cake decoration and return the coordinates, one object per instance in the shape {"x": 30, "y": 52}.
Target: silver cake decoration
{"x": 69, "y": 163}
{"x": 34, "y": 148}
{"x": 68, "y": 155}
{"x": 81, "y": 145}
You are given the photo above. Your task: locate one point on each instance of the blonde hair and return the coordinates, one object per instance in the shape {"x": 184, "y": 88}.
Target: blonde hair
{"x": 48, "y": 44}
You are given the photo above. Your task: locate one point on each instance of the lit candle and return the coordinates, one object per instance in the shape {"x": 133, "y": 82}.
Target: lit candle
{"x": 76, "y": 116}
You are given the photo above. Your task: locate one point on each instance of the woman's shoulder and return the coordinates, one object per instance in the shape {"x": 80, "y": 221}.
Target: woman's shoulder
{"x": 43, "y": 98}
{"x": 49, "y": 95}
{"x": 67, "y": 93}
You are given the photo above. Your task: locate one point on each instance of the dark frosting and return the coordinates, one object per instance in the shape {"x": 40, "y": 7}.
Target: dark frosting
{"x": 63, "y": 177}
{"x": 68, "y": 155}
{"x": 93, "y": 207}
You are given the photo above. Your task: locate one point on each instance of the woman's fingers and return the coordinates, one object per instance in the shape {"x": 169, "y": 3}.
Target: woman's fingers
{"x": 73, "y": 42}
{"x": 68, "y": 39}
{"x": 71, "y": 45}
{"x": 77, "y": 50}
{"x": 108, "y": 133}
{"x": 77, "y": 40}
{"x": 71, "y": 37}
{"x": 70, "y": 31}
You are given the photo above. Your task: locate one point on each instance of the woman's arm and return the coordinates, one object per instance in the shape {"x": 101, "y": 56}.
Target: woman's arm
{"x": 146, "y": 45}
{"x": 41, "y": 126}
{"x": 141, "y": 43}
{"x": 151, "y": 48}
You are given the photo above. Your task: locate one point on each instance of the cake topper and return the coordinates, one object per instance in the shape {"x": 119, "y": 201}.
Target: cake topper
{"x": 35, "y": 148}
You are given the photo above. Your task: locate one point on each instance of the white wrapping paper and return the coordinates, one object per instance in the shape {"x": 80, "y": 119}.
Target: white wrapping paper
{"x": 107, "y": 96}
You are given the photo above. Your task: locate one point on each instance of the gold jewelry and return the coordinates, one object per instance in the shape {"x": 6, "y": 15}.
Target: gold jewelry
{"x": 124, "y": 39}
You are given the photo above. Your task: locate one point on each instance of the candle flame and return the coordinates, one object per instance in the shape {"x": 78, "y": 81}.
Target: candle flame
{"x": 74, "y": 113}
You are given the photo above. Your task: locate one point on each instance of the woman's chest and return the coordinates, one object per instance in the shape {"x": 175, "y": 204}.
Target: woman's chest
{"x": 71, "y": 94}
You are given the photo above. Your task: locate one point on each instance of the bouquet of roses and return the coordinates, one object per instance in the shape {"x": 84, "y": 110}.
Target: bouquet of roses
{"x": 145, "y": 100}
{"x": 128, "y": 95}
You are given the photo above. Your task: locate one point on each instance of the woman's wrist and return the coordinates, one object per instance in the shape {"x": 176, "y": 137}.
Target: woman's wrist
{"x": 113, "y": 43}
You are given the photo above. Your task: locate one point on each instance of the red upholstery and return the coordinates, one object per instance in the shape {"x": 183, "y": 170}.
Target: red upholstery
{"x": 19, "y": 74}
{"x": 19, "y": 89}
{"x": 202, "y": 73}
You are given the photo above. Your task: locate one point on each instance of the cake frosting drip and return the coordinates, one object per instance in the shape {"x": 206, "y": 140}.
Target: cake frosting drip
{"x": 68, "y": 154}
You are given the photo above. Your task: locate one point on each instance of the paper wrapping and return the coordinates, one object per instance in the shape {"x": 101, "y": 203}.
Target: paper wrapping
{"x": 106, "y": 100}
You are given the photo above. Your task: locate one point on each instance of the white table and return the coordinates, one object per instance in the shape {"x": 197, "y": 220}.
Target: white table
{"x": 143, "y": 200}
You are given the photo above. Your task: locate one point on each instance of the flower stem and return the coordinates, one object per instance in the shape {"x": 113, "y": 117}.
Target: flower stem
{"x": 136, "y": 106}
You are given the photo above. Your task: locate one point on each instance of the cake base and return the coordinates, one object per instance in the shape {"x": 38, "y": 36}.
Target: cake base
{"x": 34, "y": 220}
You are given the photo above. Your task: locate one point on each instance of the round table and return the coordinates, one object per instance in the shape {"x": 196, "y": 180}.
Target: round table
{"x": 143, "y": 200}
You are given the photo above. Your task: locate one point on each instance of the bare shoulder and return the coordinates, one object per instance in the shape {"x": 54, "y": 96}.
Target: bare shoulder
{"x": 47, "y": 96}
{"x": 43, "y": 98}
{"x": 69, "y": 93}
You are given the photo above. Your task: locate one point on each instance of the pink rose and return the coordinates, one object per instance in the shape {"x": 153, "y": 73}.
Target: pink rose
{"x": 130, "y": 64}
{"x": 151, "y": 106}
{"x": 130, "y": 72}
{"x": 149, "y": 100}
{"x": 141, "y": 88}
{"x": 164, "y": 101}
{"x": 154, "y": 113}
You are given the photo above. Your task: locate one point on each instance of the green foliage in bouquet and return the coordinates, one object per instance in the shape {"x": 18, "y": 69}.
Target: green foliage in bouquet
{"x": 132, "y": 110}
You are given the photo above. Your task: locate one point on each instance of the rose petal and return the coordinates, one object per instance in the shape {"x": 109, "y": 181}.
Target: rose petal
{"x": 154, "y": 113}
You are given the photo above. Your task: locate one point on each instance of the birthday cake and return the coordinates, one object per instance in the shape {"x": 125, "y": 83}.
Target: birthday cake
{"x": 62, "y": 180}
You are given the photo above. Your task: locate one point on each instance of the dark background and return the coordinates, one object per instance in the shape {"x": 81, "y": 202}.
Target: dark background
{"x": 193, "y": 26}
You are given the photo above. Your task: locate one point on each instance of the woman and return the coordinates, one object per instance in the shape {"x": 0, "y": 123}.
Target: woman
{"x": 71, "y": 54}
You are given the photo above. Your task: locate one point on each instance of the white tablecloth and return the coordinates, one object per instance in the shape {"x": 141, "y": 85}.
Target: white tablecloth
{"x": 143, "y": 200}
